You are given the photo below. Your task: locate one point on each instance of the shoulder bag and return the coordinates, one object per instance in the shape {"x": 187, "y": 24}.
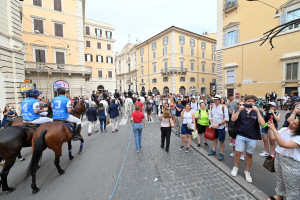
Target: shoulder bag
{"x": 210, "y": 133}
{"x": 269, "y": 163}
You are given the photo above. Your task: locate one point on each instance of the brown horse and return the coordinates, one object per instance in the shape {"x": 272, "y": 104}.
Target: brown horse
{"x": 52, "y": 136}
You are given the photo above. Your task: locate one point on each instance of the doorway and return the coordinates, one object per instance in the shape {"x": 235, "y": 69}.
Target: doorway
{"x": 230, "y": 92}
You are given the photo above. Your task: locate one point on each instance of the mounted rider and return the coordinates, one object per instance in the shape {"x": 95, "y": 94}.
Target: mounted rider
{"x": 30, "y": 108}
{"x": 62, "y": 106}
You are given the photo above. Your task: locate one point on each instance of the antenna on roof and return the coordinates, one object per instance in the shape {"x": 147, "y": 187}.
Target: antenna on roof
{"x": 128, "y": 38}
{"x": 137, "y": 40}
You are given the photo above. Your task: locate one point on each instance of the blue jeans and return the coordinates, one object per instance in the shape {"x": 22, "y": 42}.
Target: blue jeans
{"x": 137, "y": 130}
{"x": 157, "y": 109}
{"x": 102, "y": 120}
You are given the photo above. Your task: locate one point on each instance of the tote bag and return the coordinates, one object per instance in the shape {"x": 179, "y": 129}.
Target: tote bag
{"x": 210, "y": 133}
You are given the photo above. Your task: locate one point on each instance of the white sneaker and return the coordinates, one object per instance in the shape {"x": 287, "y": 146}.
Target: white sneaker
{"x": 232, "y": 154}
{"x": 248, "y": 177}
{"x": 234, "y": 171}
{"x": 242, "y": 157}
{"x": 264, "y": 154}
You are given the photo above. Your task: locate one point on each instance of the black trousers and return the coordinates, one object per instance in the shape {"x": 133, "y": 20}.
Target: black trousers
{"x": 165, "y": 135}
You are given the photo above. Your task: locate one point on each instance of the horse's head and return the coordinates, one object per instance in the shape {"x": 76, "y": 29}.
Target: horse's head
{"x": 79, "y": 109}
{"x": 50, "y": 111}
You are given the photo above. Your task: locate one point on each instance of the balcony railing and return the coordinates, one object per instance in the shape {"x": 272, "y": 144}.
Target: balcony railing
{"x": 174, "y": 70}
{"x": 53, "y": 67}
{"x": 230, "y": 5}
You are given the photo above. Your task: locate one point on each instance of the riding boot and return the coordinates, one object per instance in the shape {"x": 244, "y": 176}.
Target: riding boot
{"x": 77, "y": 135}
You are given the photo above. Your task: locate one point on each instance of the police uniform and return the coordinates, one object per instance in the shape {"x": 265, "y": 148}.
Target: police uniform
{"x": 60, "y": 105}
{"x": 27, "y": 107}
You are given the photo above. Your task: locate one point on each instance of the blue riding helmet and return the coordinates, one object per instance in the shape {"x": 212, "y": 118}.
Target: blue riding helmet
{"x": 33, "y": 92}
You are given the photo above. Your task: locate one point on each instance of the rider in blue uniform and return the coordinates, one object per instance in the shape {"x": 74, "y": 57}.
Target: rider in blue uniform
{"x": 62, "y": 106}
{"x": 30, "y": 108}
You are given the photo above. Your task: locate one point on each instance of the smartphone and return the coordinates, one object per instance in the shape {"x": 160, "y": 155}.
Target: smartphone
{"x": 248, "y": 105}
{"x": 271, "y": 118}
{"x": 298, "y": 106}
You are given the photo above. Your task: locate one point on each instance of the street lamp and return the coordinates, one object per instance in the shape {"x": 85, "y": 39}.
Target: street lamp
{"x": 277, "y": 10}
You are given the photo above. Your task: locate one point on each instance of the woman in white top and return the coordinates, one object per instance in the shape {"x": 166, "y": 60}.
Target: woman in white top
{"x": 287, "y": 161}
{"x": 188, "y": 125}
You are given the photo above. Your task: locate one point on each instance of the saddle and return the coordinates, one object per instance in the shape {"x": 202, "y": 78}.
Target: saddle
{"x": 70, "y": 126}
{"x": 27, "y": 124}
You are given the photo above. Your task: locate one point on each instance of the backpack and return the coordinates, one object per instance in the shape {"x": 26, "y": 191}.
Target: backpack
{"x": 199, "y": 111}
{"x": 149, "y": 106}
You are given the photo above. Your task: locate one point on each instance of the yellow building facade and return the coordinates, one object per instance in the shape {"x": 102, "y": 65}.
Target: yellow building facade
{"x": 177, "y": 61}
{"x": 54, "y": 40}
{"x": 99, "y": 55}
{"x": 246, "y": 67}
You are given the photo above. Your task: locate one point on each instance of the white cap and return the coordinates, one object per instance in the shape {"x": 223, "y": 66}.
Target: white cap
{"x": 272, "y": 103}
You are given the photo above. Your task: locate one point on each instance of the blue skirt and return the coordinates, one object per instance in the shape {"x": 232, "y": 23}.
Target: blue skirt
{"x": 185, "y": 130}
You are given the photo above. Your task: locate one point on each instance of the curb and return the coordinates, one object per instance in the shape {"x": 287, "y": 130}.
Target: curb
{"x": 251, "y": 189}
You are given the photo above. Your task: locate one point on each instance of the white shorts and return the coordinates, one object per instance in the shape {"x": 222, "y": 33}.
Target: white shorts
{"x": 40, "y": 120}
{"x": 73, "y": 119}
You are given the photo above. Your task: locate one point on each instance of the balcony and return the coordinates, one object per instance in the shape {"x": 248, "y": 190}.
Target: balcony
{"x": 230, "y": 5}
{"x": 57, "y": 68}
{"x": 174, "y": 70}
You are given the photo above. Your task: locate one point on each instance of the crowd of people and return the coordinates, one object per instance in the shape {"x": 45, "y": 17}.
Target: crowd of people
{"x": 186, "y": 114}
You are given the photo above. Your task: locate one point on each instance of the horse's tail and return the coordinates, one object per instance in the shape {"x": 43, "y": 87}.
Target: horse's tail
{"x": 39, "y": 147}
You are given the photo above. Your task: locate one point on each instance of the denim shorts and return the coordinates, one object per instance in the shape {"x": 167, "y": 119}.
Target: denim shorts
{"x": 220, "y": 133}
{"x": 264, "y": 131}
{"x": 241, "y": 142}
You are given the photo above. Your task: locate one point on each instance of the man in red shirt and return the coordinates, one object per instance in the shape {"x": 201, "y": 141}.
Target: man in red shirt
{"x": 140, "y": 104}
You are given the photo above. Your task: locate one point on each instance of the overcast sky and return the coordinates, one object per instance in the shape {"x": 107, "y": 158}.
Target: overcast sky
{"x": 143, "y": 19}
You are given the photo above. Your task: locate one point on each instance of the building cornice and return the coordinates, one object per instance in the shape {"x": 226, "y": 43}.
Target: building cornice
{"x": 99, "y": 26}
{"x": 51, "y": 36}
{"x": 99, "y": 38}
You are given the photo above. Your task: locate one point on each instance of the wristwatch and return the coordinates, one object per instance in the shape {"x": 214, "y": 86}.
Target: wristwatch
{"x": 220, "y": 124}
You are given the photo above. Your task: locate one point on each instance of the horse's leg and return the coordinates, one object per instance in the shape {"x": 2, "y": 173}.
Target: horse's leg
{"x": 33, "y": 183}
{"x": 70, "y": 150}
{"x": 81, "y": 146}
{"x": 56, "y": 161}
{"x": 4, "y": 173}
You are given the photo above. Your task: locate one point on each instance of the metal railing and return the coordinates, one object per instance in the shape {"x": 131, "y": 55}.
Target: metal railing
{"x": 174, "y": 70}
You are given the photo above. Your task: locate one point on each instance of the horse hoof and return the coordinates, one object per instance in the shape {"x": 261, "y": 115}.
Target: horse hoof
{"x": 71, "y": 157}
{"x": 11, "y": 190}
{"x": 61, "y": 172}
{"x": 35, "y": 190}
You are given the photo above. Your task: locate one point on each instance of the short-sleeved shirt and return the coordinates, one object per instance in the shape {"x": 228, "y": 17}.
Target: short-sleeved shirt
{"x": 27, "y": 108}
{"x": 249, "y": 126}
{"x": 140, "y": 104}
{"x": 232, "y": 106}
{"x": 179, "y": 112}
{"x": 286, "y": 135}
{"x": 60, "y": 105}
{"x": 138, "y": 116}
{"x": 204, "y": 115}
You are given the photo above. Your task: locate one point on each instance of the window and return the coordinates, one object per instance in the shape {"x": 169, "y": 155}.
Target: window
{"x": 99, "y": 58}
{"x": 142, "y": 70}
{"x": 154, "y": 54}
{"x": 108, "y": 34}
{"x": 98, "y": 32}
{"x": 166, "y": 65}
{"x": 213, "y": 48}
{"x": 98, "y": 45}
{"x": 203, "y": 80}
{"x": 109, "y": 74}
{"x": 181, "y": 39}
{"x": 142, "y": 51}
{"x": 109, "y": 59}
{"x": 108, "y": 46}
{"x": 213, "y": 68}
{"x": 142, "y": 59}
{"x": 154, "y": 80}
{"x": 213, "y": 56}
{"x": 203, "y": 66}
{"x": 58, "y": 29}
{"x": 165, "y": 40}
{"x": 192, "y": 52}
{"x": 87, "y": 30}
{"x": 230, "y": 77}
{"x": 181, "y": 64}
{"x": 88, "y": 43}
{"x": 213, "y": 80}
{"x": 182, "y": 79}
{"x": 100, "y": 75}
{"x": 203, "y": 45}
{"x": 203, "y": 54}
{"x": 57, "y": 5}
{"x": 292, "y": 71}
{"x": 38, "y": 26}
{"x": 142, "y": 80}
{"x": 129, "y": 68}
{"x": 192, "y": 79}
{"x": 165, "y": 51}
{"x": 182, "y": 49}
{"x": 153, "y": 46}
{"x": 154, "y": 68}
{"x": 230, "y": 4}
{"x": 40, "y": 56}
{"x": 88, "y": 58}
{"x": 231, "y": 38}
{"x": 37, "y": 3}
{"x": 290, "y": 16}
{"x": 192, "y": 66}
{"x": 165, "y": 79}
{"x": 192, "y": 42}
{"x": 60, "y": 57}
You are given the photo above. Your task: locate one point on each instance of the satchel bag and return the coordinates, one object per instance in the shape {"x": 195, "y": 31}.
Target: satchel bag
{"x": 172, "y": 123}
{"x": 107, "y": 122}
{"x": 269, "y": 163}
{"x": 232, "y": 129}
{"x": 210, "y": 133}
{"x": 195, "y": 134}
{"x": 191, "y": 126}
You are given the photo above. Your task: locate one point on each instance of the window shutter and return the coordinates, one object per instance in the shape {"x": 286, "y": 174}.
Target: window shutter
{"x": 106, "y": 59}
{"x": 97, "y": 60}
{"x": 110, "y": 35}
{"x": 85, "y": 57}
{"x": 60, "y": 58}
{"x": 91, "y": 58}
{"x": 58, "y": 30}
{"x": 100, "y": 32}
{"x": 112, "y": 60}
{"x": 102, "y": 59}
{"x": 225, "y": 39}
{"x": 57, "y": 5}
{"x": 87, "y": 30}
{"x": 283, "y": 18}
{"x": 236, "y": 36}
